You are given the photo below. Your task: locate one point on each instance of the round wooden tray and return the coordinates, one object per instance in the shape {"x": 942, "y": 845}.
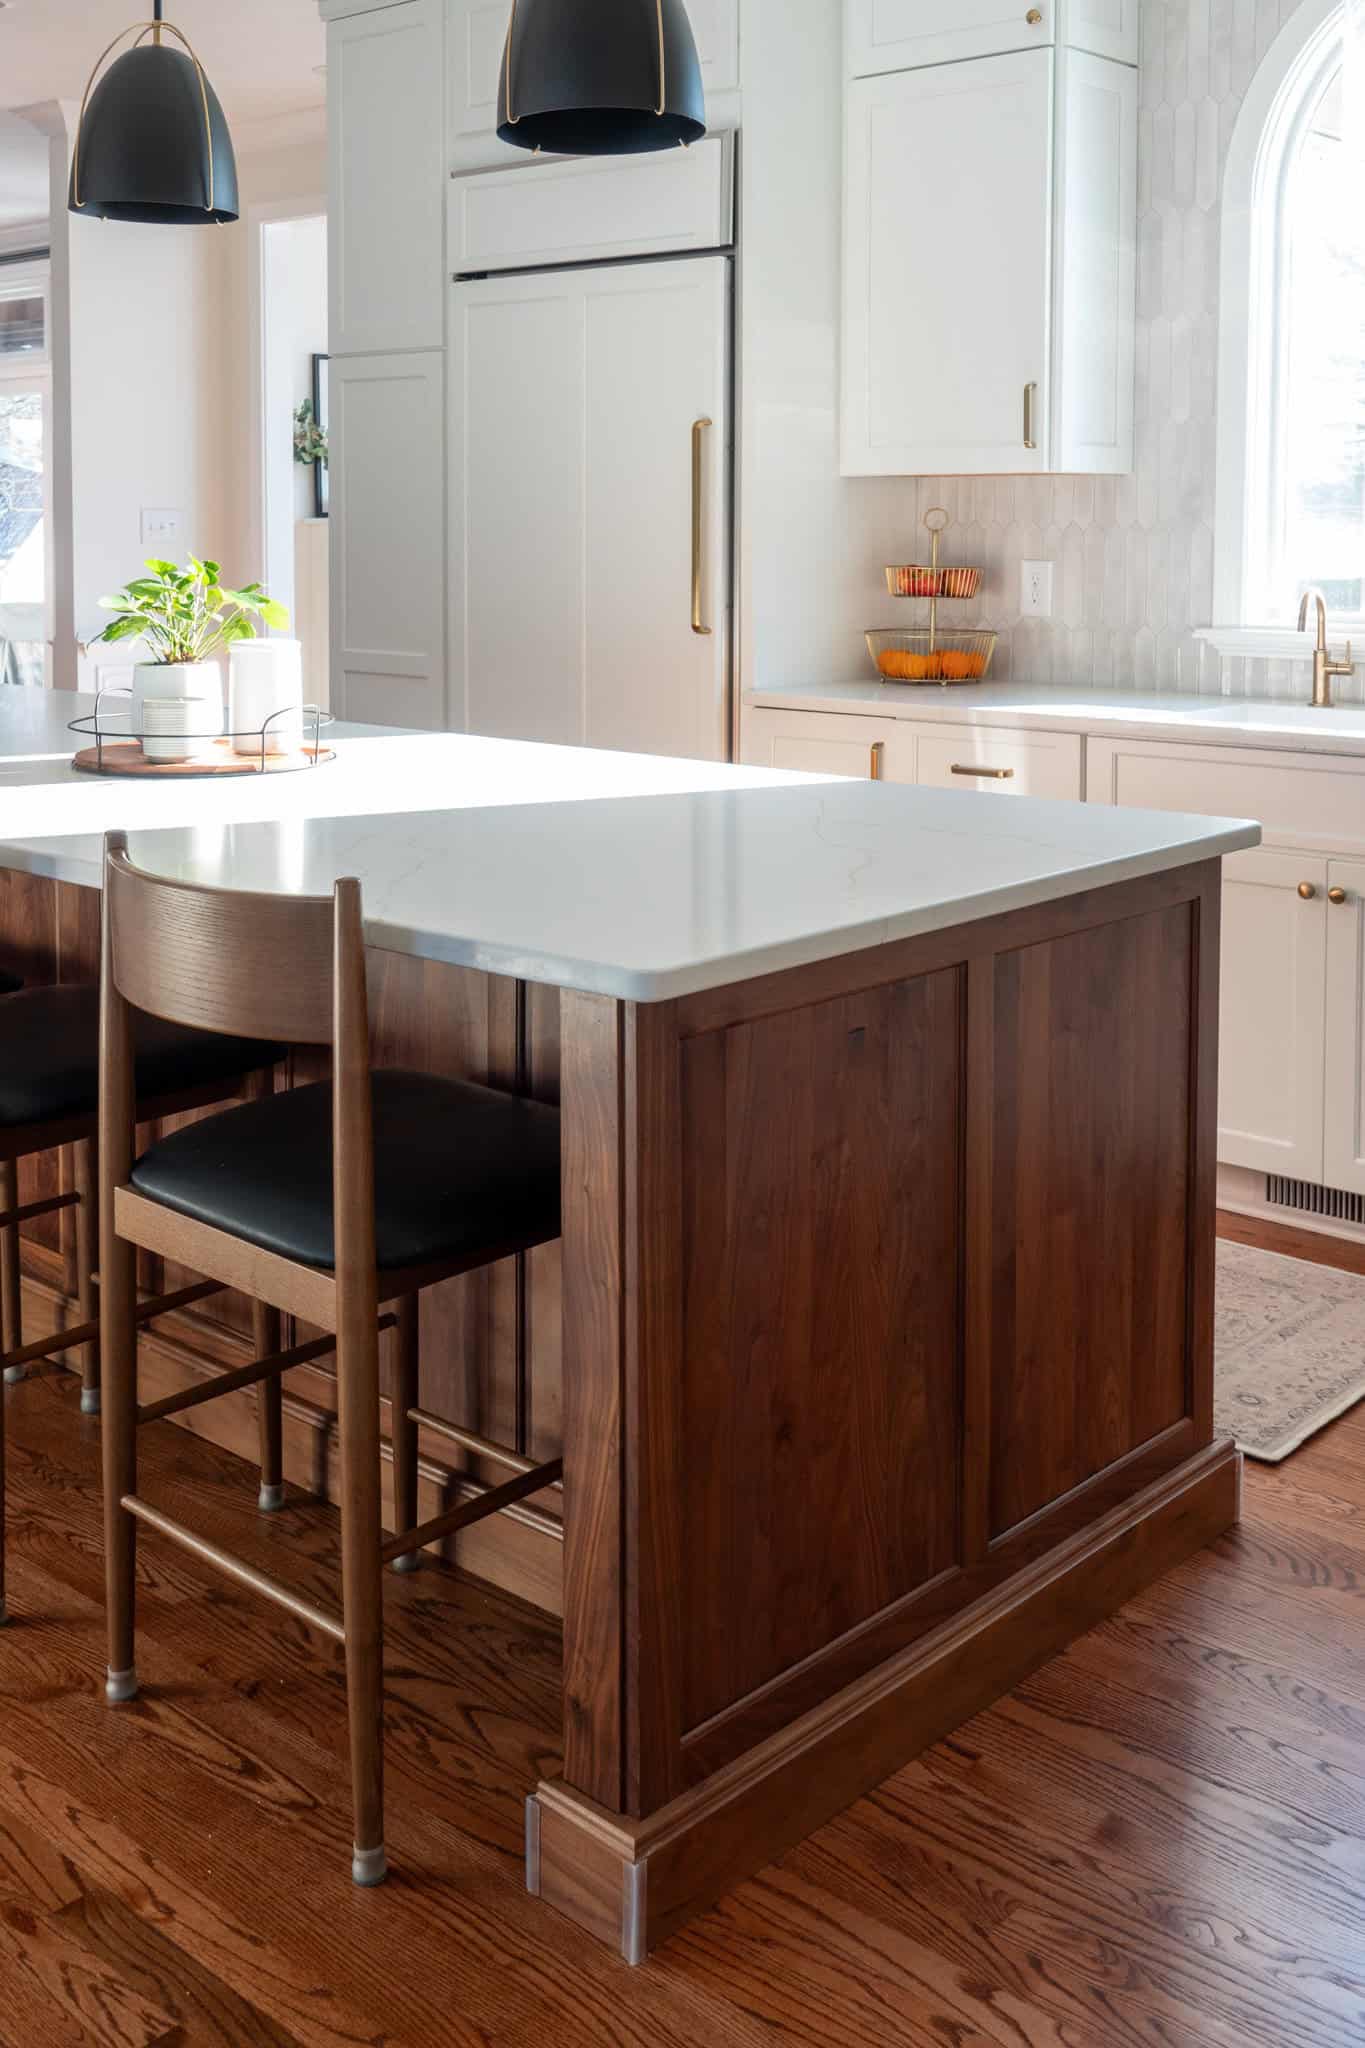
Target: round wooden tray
{"x": 125, "y": 757}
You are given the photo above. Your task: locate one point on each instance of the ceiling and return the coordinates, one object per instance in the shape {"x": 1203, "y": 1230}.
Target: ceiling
{"x": 263, "y": 56}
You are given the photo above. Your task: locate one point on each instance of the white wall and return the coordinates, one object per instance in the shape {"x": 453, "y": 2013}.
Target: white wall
{"x": 294, "y": 330}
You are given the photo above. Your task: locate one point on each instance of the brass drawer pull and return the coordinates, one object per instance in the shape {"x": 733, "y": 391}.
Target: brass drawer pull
{"x": 878, "y": 766}
{"x": 986, "y": 774}
{"x": 1337, "y": 896}
{"x": 1308, "y": 891}
{"x": 1034, "y": 17}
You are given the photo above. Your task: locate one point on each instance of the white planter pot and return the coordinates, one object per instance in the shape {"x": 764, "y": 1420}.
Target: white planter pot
{"x": 201, "y": 680}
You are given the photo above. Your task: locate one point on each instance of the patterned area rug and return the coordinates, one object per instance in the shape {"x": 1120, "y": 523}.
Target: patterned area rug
{"x": 1290, "y": 1349}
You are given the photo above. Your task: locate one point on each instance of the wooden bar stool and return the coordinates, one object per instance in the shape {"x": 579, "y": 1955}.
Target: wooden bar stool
{"x": 49, "y": 1081}
{"x": 327, "y": 1202}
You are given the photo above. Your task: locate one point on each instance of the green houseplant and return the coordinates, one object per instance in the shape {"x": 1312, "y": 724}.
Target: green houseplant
{"x": 185, "y": 617}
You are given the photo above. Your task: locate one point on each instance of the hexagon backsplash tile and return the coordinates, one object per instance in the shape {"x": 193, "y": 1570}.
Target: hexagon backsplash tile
{"x": 1133, "y": 554}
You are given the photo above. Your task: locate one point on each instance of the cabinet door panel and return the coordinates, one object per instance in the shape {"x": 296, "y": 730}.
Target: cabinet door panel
{"x": 1095, "y": 317}
{"x": 1108, "y": 27}
{"x": 388, "y": 540}
{"x": 1273, "y": 1014}
{"x": 895, "y": 35}
{"x": 1344, "y": 1122}
{"x": 387, "y": 179}
{"x": 1006, "y": 764}
{"x": 947, "y": 281}
{"x": 574, "y": 399}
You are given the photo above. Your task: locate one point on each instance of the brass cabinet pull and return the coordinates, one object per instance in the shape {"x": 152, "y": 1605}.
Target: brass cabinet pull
{"x": 699, "y": 428}
{"x": 1308, "y": 891}
{"x": 878, "y": 768}
{"x": 986, "y": 774}
{"x": 1030, "y": 423}
{"x": 1034, "y": 17}
{"x": 1337, "y": 896}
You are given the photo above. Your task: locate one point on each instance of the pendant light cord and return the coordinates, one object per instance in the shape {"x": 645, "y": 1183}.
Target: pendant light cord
{"x": 514, "y": 120}
{"x": 156, "y": 27}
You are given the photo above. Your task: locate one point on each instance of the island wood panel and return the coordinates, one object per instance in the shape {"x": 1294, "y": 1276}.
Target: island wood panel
{"x": 490, "y": 1342}
{"x": 731, "y": 1569}
{"x": 822, "y": 1376}
{"x": 1091, "y": 1224}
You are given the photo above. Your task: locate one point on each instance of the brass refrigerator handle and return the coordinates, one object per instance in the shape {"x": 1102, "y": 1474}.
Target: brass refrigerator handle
{"x": 988, "y": 774}
{"x": 699, "y": 624}
{"x": 878, "y": 760}
{"x": 1030, "y": 424}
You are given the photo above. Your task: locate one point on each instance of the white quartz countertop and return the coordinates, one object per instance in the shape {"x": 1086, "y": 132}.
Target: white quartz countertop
{"x": 619, "y": 874}
{"x": 1109, "y": 714}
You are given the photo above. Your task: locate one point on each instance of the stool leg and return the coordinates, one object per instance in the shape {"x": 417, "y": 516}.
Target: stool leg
{"x": 362, "y": 1586}
{"x": 4, "y": 1611}
{"x": 268, "y": 1337}
{"x": 11, "y": 1311}
{"x": 118, "y": 1351}
{"x": 404, "y": 1398}
{"x": 87, "y": 1237}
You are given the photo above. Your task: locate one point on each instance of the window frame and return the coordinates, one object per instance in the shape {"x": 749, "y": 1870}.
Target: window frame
{"x": 34, "y": 373}
{"x": 1254, "y": 333}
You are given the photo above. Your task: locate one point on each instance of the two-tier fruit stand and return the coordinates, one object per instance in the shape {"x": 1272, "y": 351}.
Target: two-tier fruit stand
{"x": 925, "y": 654}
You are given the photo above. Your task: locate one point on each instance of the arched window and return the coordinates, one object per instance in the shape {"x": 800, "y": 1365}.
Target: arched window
{"x": 1290, "y": 506}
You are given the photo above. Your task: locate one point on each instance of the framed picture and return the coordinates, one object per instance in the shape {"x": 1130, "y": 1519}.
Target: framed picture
{"x": 321, "y": 478}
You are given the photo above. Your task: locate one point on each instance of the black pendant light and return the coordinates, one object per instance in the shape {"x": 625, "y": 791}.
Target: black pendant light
{"x": 600, "y": 77}
{"x": 152, "y": 142}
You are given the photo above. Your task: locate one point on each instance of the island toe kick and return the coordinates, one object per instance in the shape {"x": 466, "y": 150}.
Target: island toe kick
{"x": 888, "y": 1367}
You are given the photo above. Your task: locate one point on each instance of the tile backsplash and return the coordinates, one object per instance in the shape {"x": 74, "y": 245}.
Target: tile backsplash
{"x": 1134, "y": 554}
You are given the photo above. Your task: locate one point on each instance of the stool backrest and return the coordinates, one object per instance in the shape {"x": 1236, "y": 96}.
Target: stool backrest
{"x": 252, "y": 966}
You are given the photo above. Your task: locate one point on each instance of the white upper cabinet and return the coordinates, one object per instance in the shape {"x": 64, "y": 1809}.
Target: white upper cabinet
{"x": 386, "y": 145}
{"x": 478, "y": 30}
{"x": 989, "y": 267}
{"x": 896, "y": 35}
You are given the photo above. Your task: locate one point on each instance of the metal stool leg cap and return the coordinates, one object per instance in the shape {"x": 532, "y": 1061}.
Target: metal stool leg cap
{"x": 120, "y": 1687}
{"x": 411, "y": 1562}
{"x": 15, "y": 1373}
{"x": 369, "y": 1866}
{"x": 271, "y": 1499}
{"x": 90, "y": 1400}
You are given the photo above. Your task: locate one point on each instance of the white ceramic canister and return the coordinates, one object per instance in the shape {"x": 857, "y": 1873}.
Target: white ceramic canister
{"x": 265, "y": 694}
{"x": 201, "y": 680}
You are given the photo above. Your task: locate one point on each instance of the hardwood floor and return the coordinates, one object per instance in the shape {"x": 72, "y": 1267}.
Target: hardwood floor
{"x": 1157, "y": 1842}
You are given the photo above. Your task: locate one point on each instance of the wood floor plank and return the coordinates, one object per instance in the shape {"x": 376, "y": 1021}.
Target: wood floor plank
{"x": 85, "y": 1997}
{"x": 1155, "y": 1843}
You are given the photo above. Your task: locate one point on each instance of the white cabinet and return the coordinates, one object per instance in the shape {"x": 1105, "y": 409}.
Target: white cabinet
{"x": 478, "y": 32}
{"x": 386, "y": 147}
{"x": 1344, "y": 1113}
{"x": 824, "y": 743}
{"x": 1271, "y": 1086}
{"x": 388, "y": 539}
{"x": 989, "y": 315}
{"x": 895, "y": 35}
{"x": 1046, "y": 764}
{"x": 590, "y": 545}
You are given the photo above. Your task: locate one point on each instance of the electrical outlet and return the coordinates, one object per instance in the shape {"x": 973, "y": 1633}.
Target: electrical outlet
{"x": 160, "y": 525}
{"x": 1035, "y": 590}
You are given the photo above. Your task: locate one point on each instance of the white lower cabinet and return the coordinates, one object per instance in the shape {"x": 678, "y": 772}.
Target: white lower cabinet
{"x": 1344, "y": 1106}
{"x": 1274, "y": 1014}
{"x": 823, "y": 743}
{"x": 1045, "y": 764}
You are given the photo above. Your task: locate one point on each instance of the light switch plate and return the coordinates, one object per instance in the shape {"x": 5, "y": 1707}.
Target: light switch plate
{"x": 160, "y": 525}
{"x": 1035, "y": 590}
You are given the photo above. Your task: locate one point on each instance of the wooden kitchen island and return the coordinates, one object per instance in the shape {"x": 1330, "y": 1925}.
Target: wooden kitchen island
{"x": 879, "y": 1342}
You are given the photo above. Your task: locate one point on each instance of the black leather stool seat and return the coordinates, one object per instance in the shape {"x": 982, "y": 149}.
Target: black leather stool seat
{"x": 49, "y": 1056}
{"x": 460, "y": 1171}
{"x": 9, "y": 983}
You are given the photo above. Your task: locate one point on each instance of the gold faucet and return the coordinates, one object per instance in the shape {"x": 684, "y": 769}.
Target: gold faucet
{"x": 1324, "y": 668}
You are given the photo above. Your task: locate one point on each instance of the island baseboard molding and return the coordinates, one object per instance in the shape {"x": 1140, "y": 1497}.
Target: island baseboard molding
{"x": 633, "y": 1883}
